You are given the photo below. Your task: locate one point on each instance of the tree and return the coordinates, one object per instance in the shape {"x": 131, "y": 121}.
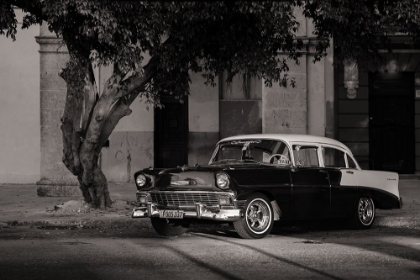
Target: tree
{"x": 207, "y": 37}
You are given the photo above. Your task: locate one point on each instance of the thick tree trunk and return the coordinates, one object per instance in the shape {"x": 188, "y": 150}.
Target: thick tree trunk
{"x": 89, "y": 120}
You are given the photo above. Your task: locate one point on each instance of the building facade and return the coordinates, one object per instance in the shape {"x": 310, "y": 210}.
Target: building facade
{"x": 380, "y": 123}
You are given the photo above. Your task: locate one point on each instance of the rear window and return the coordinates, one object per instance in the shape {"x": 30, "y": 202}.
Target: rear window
{"x": 333, "y": 157}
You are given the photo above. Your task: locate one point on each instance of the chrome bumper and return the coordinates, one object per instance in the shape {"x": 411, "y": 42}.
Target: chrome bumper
{"x": 201, "y": 212}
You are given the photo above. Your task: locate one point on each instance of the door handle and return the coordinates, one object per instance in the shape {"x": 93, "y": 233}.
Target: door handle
{"x": 349, "y": 172}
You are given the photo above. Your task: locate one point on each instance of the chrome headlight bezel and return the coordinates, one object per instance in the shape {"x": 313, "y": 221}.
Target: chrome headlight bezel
{"x": 222, "y": 181}
{"x": 141, "y": 180}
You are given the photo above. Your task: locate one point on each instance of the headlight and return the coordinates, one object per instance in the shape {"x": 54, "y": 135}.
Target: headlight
{"x": 141, "y": 180}
{"x": 222, "y": 181}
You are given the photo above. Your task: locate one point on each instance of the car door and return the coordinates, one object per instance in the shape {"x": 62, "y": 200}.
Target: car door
{"x": 343, "y": 182}
{"x": 310, "y": 184}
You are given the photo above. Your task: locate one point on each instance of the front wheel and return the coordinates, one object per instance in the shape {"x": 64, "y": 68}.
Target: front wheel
{"x": 168, "y": 227}
{"x": 364, "y": 214}
{"x": 258, "y": 218}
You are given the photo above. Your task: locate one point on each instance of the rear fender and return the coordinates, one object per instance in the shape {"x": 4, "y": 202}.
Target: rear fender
{"x": 381, "y": 186}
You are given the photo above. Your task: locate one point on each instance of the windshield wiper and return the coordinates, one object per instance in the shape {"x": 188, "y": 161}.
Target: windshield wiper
{"x": 250, "y": 160}
{"x": 225, "y": 160}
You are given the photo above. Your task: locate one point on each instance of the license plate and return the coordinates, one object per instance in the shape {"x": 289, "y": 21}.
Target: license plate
{"x": 171, "y": 214}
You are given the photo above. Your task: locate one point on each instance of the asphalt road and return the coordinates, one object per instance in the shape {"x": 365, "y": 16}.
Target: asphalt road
{"x": 304, "y": 252}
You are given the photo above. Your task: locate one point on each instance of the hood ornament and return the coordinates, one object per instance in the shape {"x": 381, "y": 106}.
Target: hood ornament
{"x": 184, "y": 168}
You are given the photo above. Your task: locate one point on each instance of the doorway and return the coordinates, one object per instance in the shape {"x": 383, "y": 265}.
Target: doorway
{"x": 171, "y": 133}
{"x": 391, "y": 122}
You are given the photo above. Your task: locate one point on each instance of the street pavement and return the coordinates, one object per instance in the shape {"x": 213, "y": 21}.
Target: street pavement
{"x": 37, "y": 242}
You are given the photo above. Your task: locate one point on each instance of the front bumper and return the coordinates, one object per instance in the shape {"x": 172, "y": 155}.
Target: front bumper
{"x": 200, "y": 212}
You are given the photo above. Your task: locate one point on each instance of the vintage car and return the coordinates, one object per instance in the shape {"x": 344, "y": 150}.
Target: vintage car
{"x": 253, "y": 180}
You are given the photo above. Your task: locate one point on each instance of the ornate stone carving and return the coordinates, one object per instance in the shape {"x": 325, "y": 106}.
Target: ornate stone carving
{"x": 351, "y": 78}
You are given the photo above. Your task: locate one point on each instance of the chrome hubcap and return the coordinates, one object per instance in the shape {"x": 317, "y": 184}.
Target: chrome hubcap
{"x": 258, "y": 216}
{"x": 366, "y": 211}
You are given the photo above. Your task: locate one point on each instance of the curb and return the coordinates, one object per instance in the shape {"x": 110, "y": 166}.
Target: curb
{"x": 92, "y": 223}
{"x": 88, "y": 223}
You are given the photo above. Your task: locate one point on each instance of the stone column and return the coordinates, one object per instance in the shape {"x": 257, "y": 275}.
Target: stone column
{"x": 53, "y": 56}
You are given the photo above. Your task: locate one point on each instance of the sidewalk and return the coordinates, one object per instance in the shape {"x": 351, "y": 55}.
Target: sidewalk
{"x": 19, "y": 205}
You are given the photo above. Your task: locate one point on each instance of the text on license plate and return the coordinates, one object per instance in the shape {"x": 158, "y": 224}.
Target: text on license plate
{"x": 171, "y": 214}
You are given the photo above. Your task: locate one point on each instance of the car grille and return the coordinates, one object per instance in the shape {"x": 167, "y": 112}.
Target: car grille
{"x": 184, "y": 199}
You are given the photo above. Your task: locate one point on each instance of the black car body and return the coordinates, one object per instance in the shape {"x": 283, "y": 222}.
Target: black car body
{"x": 254, "y": 180}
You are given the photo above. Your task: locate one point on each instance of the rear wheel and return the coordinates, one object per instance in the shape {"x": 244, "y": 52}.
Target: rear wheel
{"x": 168, "y": 227}
{"x": 258, "y": 218}
{"x": 364, "y": 213}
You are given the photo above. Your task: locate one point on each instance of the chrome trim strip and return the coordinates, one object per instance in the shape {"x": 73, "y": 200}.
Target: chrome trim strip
{"x": 197, "y": 192}
{"x": 201, "y": 212}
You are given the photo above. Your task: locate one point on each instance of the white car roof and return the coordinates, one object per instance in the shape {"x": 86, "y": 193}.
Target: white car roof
{"x": 291, "y": 139}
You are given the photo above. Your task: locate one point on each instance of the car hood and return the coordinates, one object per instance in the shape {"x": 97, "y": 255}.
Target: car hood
{"x": 188, "y": 178}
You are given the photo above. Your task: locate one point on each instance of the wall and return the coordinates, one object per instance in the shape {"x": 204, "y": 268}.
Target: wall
{"x": 19, "y": 107}
{"x": 131, "y": 143}
{"x": 353, "y": 118}
{"x": 309, "y": 107}
{"x": 353, "y": 114}
{"x": 203, "y": 118}
{"x": 240, "y": 106}
{"x": 417, "y": 118}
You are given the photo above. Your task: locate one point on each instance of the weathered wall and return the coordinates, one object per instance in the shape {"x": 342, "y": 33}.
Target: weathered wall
{"x": 353, "y": 118}
{"x": 285, "y": 109}
{"x": 353, "y": 114}
{"x": 309, "y": 107}
{"x": 240, "y": 106}
{"x": 203, "y": 118}
{"x": 417, "y": 121}
{"x": 131, "y": 143}
{"x": 19, "y": 107}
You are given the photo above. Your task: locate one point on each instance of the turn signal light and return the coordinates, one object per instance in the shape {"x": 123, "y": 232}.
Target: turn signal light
{"x": 224, "y": 200}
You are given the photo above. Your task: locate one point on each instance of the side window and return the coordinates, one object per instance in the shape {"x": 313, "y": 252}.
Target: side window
{"x": 351, "y": 163}
{"x": 305, "y": 156}
{"x": 333, "y": 157}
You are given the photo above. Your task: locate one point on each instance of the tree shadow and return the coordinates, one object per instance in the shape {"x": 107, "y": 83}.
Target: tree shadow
{"x": 270, "y": 255}
{"x": 70, "y": 271}
{"x": 372, "y": 239}
{"x": 339, "y": 232}
{"x": 220, "y": 272}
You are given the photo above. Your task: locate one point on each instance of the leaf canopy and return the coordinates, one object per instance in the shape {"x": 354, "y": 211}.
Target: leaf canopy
{"x": 214, "y": 36}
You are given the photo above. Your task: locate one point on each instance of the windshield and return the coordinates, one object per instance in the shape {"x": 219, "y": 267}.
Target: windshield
{"x": 255, "y": 150}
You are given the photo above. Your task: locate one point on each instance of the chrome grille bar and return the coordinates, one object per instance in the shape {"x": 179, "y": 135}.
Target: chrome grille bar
{"x": 184, "y": 198}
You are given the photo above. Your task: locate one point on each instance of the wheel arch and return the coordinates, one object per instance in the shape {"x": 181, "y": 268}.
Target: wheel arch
{"x": 276, "y": 208}
{"x": 381, "y": 199}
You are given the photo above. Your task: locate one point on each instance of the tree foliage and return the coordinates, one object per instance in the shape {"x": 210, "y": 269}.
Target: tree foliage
{"x": 361, "y": 28}
{"x": 208, "y": 37}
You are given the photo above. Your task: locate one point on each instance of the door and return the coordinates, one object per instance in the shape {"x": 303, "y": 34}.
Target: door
{"x": 343, "y": 181}
{"x": 171, "y": 133}
{"x": 391, "y": 125}
{"x": 311, "y": 193}
{"x": 311, "y": 190}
